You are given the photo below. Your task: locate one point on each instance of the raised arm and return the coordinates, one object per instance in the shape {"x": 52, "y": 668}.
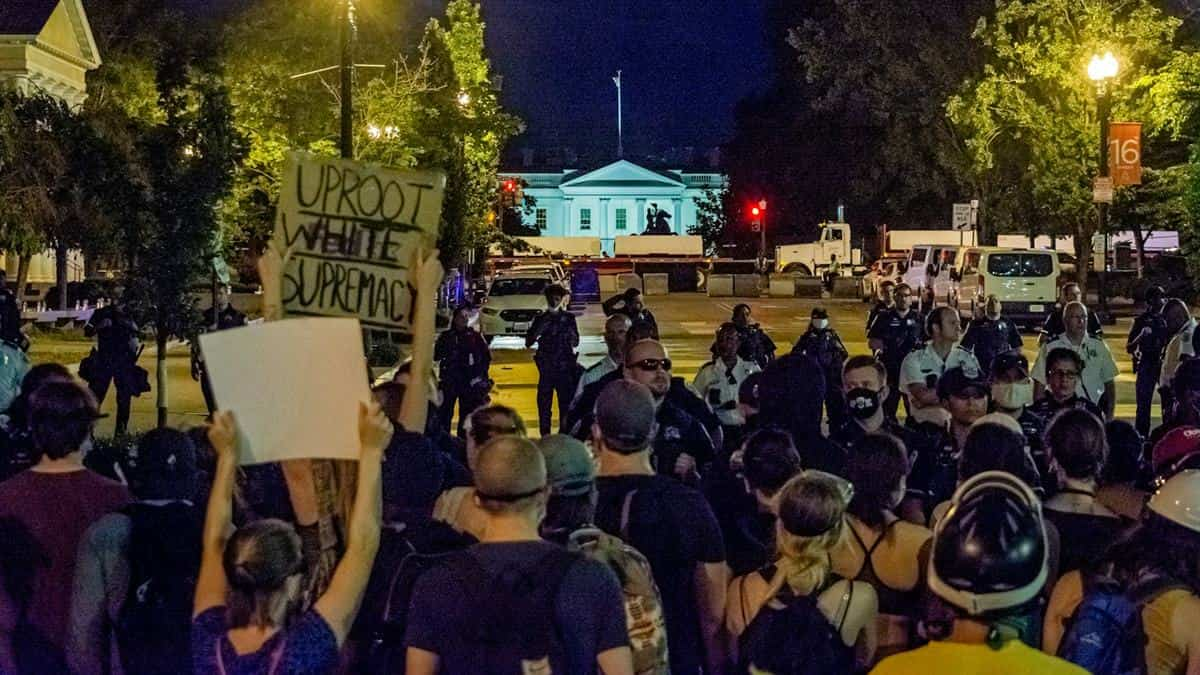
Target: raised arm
{"x": 339, "y": 604}
{"x": 211, "y": 585}
{"x": 428, "y": 273}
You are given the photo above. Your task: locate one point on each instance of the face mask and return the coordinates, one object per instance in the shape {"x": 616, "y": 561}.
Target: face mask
{"x": 820, "y": 324}
{"x": 862, "y": 403}
{"x": 1012, "y": 395}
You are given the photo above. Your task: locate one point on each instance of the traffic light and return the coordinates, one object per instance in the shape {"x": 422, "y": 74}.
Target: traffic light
{"x": 755, "y": 218}
{"x": 508, "y": 193}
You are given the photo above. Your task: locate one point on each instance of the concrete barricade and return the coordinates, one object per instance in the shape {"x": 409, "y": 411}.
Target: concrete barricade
{"x": 847, "y": 288}
{"x": 809, "y": 287}
{"x": 747, "y": 285}
{"x": 720, "y": 285}
{"x": 628, "y": 280}
{"x": 656, "y": 283}
{"x": 782, "y": 286}
{"x": 608, "y": 284}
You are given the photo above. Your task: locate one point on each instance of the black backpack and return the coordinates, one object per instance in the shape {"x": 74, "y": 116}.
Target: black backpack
{"x": 406, "y": 551}
{"x": 153, "y": 626}
{"x": 790, "y": 635}
{"x": 512, "y": 627}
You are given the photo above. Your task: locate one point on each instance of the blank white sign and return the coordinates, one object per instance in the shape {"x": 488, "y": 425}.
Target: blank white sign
{"x": 293, "y": 385}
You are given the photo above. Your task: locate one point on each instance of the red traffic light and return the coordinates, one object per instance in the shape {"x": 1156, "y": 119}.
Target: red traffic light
{"x": 510, "y": 185}
{"x": 755, "y": 211}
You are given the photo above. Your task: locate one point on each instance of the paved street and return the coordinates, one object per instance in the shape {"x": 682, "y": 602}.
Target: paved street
{"x": 687, "y": 323}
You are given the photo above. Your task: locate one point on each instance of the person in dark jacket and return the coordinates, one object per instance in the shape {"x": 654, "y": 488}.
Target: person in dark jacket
{"x": 822, "y": 342}
{"x": 1054, "y": 326}
{"x": 114, "y": 359}
{"x": 221, "y": 316}
{"x": 755, "y": 346}
{"x": 556, "y": 335}
{"x": 630, "y": 304}
{"x": 463, "y": 360}
{"x": 10, "y": 316}
{"x": 991, "y": 335}
{"x": 1147, "y": 341}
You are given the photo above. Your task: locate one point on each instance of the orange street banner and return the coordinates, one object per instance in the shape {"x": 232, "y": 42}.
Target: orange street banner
{"x": 1125, "y": 153}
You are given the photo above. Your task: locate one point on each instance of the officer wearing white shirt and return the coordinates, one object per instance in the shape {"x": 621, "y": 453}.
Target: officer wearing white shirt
{"x": 718, "y": 380}
{"x": 1097, "y": 381}
{"x": 614, "y": 338}
{"x": 1181, "y": 327}
{"x": 921, "y": 369}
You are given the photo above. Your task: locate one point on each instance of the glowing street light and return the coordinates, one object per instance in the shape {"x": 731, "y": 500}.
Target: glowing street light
{"x": 464, "y": 99}
{"x": 1101, "y": 69}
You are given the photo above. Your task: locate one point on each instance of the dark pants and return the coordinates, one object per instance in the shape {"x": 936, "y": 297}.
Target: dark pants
{"x": 555, "y": 378}
{"x": 1147, "y": 384}
{"x": 110, "y": 373}
{"x": 467, "y": 401}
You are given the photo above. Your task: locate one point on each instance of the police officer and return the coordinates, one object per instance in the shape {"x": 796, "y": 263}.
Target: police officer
{"x": 963, "y": 393}
{"x": 884, "y": 302}
{"x": 755, "y": 345}
{"x": 114, "y": 359}
{"x": 10, "y": 316}
{"x": 630, "y": 304}
{"x": 923, "y": 368}
{"x": 221, "y": 316}
{"x": 823, "y": 344}
{"x": 719, "y": 380}
{"x": 991, "y": 334}
{"x": 895, "y": 333}
{"x": 1054, "y": 325}
{"x": 556, "y": 335}
{"x": 1147, "y": 340}
{"x": 1012, "y": 395}
{"x": 463, "y": 360}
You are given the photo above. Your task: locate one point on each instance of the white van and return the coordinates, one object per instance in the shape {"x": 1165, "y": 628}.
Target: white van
{"x": 937, "y": 266}
{"x": 1024, "y": 280}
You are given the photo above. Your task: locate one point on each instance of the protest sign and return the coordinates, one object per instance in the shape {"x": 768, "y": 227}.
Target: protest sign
{"x": 352, "y": 228}
{"x": 294, "y": 387}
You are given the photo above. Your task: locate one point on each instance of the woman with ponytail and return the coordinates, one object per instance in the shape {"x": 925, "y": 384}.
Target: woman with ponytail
{"x": 246, "y": 615}
{"x": 810, "y": 510}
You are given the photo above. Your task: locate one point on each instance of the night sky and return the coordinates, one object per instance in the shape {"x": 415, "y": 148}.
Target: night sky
{"x": 685, "y": 64}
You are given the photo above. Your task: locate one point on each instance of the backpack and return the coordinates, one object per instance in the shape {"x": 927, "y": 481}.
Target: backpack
{"x": 1105, "y": 634}
{"x": 405, "y": 553}
{"x": 512, "y": 627}
{"x": 153, "y": 626}
{"x": 790, "y": 635}
{"x": 643, "y": 603}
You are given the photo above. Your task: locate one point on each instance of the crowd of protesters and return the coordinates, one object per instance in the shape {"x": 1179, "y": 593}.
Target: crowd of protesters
{"x": 775, "y": 514}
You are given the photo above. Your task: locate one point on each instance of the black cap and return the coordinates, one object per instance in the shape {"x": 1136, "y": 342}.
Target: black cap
{"x": 819, "y": 313}
{"x": 956, "y": 381}
{"x": 1009, "y": 360}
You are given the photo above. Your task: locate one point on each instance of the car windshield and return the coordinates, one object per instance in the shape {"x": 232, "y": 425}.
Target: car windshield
{"x": 519, "y": 286}
{"x": 1020, "y": 265}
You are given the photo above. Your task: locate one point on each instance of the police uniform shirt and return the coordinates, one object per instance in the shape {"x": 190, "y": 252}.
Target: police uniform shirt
{"x": 1047, "y": 407}
{"x": 1053, "y": 327}
{"x": 1179, "y": 348}
{"x": 718, "y": 384}
{"x": 462, "y": 356}
{"x": 679, "y": 433}
{"x": 916, "y": 443}
{"x": 925, "y": 366}
{"x": 557, "y": 336}
{"x": 1099, "y": 367}
{"x": 1148, "y": 352}
{"x": 755, "y": 345}
{"x": 988, "y": 337}
{"x": 899, "y": 334}
{"x": 879, "y": 308}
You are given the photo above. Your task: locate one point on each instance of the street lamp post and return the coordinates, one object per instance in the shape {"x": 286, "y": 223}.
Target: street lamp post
{"x": 1101, "y": 70}
{"x": 346, "y": 35}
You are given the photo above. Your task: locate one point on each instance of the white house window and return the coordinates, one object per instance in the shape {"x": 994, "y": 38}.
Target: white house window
{"x": 621, "y": 219}
{"x": 585, "y": 219}
{"x": 540, "y": 218}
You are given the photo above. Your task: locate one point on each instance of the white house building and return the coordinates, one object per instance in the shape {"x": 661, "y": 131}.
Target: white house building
{"x": 613, "y": 200}
{"x": 47, "y": 45}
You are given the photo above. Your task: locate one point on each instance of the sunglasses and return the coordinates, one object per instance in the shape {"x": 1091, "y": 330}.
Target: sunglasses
{"x": 651, "y": 365}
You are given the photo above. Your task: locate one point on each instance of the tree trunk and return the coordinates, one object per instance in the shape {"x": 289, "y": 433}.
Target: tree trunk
{"x": 160, "y": 339}
{"x": 1083, "y": 254}
{"x": 23, "y": 262}
{"x": 60, "y": 274}
{"x": 1139, "y": 243}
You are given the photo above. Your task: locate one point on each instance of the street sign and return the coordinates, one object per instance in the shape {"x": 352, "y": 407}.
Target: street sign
{"x": 1125, "y": 153}
{"x": 961, "y": 217}
{"x": 1102, "y": 190}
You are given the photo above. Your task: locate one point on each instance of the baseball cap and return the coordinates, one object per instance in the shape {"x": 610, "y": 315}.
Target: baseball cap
{"x": 1174, "y": 446}
{"x": 625, "y": 415}
{"x": 1010, "y": 360}
{"x": 163, "y": 465}
{"x": 570, "y": 469}
{"x": 956, "y": 381}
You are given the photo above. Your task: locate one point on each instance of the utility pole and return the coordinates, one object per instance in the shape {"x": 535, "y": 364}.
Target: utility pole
{"x": 620, "y": 139}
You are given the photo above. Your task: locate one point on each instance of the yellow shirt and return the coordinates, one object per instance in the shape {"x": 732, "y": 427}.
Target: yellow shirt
{"x": 975, "y": 659}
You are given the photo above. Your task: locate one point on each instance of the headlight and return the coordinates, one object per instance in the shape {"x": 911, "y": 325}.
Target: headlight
{"x": 491, "y": 311}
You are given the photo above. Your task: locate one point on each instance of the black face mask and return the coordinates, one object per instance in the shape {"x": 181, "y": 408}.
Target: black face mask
{"x": 862, "y": 403}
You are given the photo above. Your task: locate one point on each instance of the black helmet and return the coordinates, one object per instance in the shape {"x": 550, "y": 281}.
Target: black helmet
{"x": 989, "y": 551}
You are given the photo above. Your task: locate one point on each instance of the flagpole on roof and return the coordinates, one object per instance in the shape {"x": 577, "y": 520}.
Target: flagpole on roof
{"x": 620, "y": 140}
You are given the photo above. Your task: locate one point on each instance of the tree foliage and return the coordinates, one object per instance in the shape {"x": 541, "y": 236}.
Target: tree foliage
{"x": 715, "y": 212}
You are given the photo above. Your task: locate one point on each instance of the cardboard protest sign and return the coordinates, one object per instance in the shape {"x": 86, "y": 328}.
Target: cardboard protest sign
{"x": 352, "y": 228}
{"x": 294, "y": 387}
